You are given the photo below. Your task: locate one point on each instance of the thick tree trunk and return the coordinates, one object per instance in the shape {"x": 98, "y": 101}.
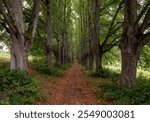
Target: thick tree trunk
{"x": 20, "y": 40}
{"x": 49, "y": 34}
{"x": 132, "y": 41}
{"x": 130, "y": 46}
{"x": 130, "y": 55}
{"x": 19, "y": 55}
{"x": 19, "y": 47}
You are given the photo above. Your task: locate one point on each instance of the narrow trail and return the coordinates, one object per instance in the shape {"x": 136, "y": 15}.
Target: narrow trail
{"x": 72, "y": 89}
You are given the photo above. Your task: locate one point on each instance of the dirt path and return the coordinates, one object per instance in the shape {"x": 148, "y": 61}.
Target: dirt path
{"x": 72, "y": 89}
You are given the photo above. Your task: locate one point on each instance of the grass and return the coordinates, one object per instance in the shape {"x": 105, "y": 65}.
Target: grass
{"x": 4, "y": 57}
{"x": 139, "y": 71}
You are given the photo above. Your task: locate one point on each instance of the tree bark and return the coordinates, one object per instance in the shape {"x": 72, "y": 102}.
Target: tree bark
{"x": 48, "y": 33}
{"x": 64, "y": 34}
{"x": 96, "y": 32}
{"x": 19, "y": 55}
{"x": 130, "y": 56}
{"x": 58, "y": 36}
{"x": 130, "y": 47}
{"x": 19, "y": 49}
{"x": 90, "y": 30}
{"x": 12, "y": 12}
{"x": 132, "y": 41}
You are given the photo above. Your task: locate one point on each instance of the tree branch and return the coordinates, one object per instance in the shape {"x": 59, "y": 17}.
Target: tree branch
{"x": 111, "y": 45}
{"x": 142, "y": 12}
{"x": 146, "y": 39}
{"x": 7, "y": 19}
{"x": 145, "y": 23}
{"x": 34, "y": 19}
{"x": 4, "y": 25}
{"x": 111, "y": 25}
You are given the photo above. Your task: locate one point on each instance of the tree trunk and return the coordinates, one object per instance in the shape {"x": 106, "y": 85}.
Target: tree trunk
{"x": 21, "y": 40}
{"x": 19, "y": 47}
{"x": 19, "y": 55}
{"x": 59, "y": 52}
{"x": 64, "y": 33}
{"x": 58, "y": 61}
{"x": 100, "y": 53}
{"x": 129, "y": 45}
{"x": 132, "y": 41}
{"x": 90, "y": 30}
{"x": 49, "y": 34}
{"x": 62, "y": 53}
{"x": 130, "y": 56}
{"x": 96, "y": 32}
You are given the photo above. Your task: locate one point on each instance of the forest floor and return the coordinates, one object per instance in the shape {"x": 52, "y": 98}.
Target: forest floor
{"x": 71, "y": 89}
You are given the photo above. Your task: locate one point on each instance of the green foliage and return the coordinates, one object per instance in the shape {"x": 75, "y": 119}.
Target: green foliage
{"x": 3, "y": 65}
{"x": 112, "y": 57}
{"x": 105, "y": 73}
{"x": 41, "y": 67}
{"x": 17, "y": 88}
{"x": 144, "y": 62}
{"x": 140, "y": 94}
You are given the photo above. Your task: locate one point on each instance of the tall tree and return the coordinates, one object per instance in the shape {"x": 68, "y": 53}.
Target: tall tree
{"x": 96, "y": 33}
{"x": 58, "y": 34}
{"x": 48, "y": 33}
{"x": 134, "y": 38}
{"x": 91, "y": 44}
{"x": 21, "y": 39}
{"x": 90, "y": 30}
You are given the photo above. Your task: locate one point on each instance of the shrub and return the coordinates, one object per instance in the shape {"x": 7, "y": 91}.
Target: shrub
{"x": 53, "y": 71}
{"x": 140, "y": 94}
{"x": 56, "y": 70}
{"x": 105, "y": 73}
{"x": 17, "y": 87}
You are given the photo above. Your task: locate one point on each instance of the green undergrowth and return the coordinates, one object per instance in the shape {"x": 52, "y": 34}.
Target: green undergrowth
{"x": 18, "y": 88}
{"x": 55, "y": 70}
{"x": 105, "y": 73}
{"x": 109, "y": 91}
{"x": 112, "y": 91}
